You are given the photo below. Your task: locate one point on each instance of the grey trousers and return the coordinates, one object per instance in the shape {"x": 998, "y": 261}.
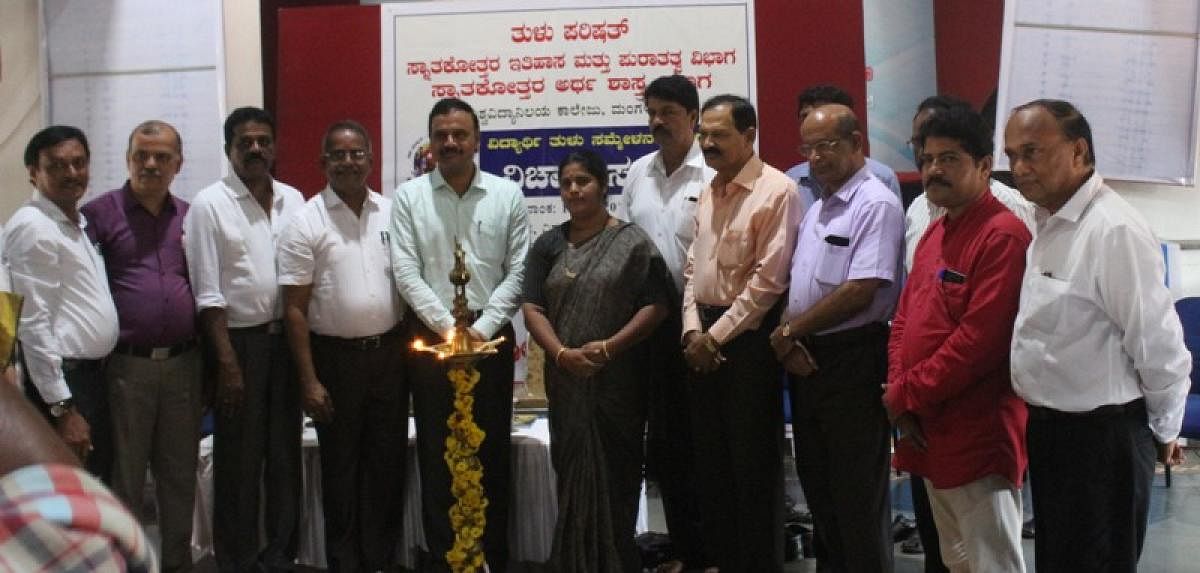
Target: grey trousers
{"x": 156, "y": 407}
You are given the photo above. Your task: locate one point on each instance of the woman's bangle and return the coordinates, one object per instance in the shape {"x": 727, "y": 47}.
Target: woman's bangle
{"x": 558, "y": 355}
{"x": 604, "y": 349}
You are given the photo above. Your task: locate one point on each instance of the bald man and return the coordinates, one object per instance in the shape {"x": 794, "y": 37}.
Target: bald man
{"x": 1097, "y": 349}
{"x": 845, "y": 281}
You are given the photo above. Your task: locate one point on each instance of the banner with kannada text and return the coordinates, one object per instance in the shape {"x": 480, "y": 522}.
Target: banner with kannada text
{"x": 546, "y": 78}
{"x": 549, "y": 77}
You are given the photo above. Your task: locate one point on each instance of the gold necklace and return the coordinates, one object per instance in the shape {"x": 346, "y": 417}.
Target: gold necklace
{"x": 571, "y": 247}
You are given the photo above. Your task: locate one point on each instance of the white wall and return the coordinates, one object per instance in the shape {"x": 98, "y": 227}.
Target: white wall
{"x": 20, "y": 98}
{"x": 1174, "y": 213}
{"x": 243, "y": 54}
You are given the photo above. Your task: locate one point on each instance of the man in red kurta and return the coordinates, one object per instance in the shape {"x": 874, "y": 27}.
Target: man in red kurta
{"x": 949, "y": 391}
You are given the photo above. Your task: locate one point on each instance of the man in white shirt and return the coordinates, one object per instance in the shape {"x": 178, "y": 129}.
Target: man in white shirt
{"x": 68, "y": 320}
{"x": 1097, "y": 350}
{"x": 661, "y": 192}
{"x": 486, "y": 213}
{"x": 343, "y": 323}
{"x": 230, "y": 239}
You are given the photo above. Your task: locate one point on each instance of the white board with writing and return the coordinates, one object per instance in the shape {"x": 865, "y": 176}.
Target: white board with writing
{"x": 113, "y": 65}
{"x": 1129, "y": 66}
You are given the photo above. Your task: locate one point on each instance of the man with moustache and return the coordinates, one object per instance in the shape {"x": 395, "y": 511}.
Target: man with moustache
{"x": 921, "y": 212}
{"x": 230, "y": 237}
{"x": 845, "y": 278}
{"x": 68, "y": 320}
{"x": 343, "y": 322}
{"x": 948, "y": 373}
{"x": 917, "y": 219}
{"x": 1097, "y": 349}
{"x": 154, "y": 375}
{"x": 661, "y": 193}
{"x": 736, "y": 272}
{"x": 459, "y": 202}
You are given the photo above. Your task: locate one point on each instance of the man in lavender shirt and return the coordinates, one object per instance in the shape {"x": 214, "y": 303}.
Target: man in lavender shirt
{"x": 845, "y": 281}
{"x": 154, "y": 373}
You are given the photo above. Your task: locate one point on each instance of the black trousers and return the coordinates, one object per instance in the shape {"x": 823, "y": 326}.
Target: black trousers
{"x": 669, "y": 457}
{"x": 256, "y": 450}
{"x": 737, "y": 428}
{"x": 841, "y": 435}
{"x": 926, "y": 527}
{"x": 433, "y": 400}
{"x": 363, "y": 450}
{"x": 1093, "y": 475}
{"x": 85, "y": 379}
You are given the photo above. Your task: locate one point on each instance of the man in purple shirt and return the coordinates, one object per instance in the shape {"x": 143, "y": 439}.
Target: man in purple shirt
{"x": 154, "y": 374}
{"x": 845, "y": 281}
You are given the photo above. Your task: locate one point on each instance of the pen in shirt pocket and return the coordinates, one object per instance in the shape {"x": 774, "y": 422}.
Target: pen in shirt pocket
{"x": 383, "y": 237}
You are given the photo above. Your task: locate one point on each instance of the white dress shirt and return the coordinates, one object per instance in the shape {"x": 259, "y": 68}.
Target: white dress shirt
{"x": 665, "y": 205}
{"x": 490, "y": 220}
{"x": 347, "y": 260}
{"x": 1096, "y": 325}
{"x": 230, "y": 243}
{"x": 68, "y": 310}
{"x": 921, "y": 213}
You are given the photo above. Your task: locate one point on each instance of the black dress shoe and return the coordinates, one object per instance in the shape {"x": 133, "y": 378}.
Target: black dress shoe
{"x": 902, "y": 528}
{"x": 912, "y": 545}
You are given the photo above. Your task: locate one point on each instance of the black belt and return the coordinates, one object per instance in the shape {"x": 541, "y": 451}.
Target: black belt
{"x": 361, "y": 343}
{"x": 851, "y": 336}
{"x": 82, "y": 364}
{"x": 271, "y": 327}
{"x": 156, "y": 352}
{"x": 1135, "y": 407}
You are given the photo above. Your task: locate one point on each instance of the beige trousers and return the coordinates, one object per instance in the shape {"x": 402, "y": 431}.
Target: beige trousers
{"x": 979, "y": 525}
{"x": 156, "y": 407}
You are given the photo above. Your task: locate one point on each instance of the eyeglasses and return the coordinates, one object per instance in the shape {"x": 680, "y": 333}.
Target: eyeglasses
{"x": 820, "y": 147}
{"x": 344, "y": 154}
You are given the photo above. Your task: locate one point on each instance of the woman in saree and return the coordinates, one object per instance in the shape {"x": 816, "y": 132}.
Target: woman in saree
{"x": 595, "y": 287}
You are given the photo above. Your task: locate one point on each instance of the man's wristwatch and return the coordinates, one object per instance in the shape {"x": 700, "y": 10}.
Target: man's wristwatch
{"x": 60, "y": 409}
{"x": 786, "y": 331}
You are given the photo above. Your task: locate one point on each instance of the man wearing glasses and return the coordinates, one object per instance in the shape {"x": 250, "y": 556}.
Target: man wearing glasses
{"x": 343, "y": 319}
{"x": 845, "y": 279}
{"x": 809, "y": 186}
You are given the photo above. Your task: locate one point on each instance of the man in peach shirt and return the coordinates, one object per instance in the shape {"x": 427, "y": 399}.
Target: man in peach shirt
{"x": 736, "y": 271}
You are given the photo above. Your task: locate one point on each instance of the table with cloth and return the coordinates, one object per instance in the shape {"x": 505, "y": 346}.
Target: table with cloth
{"x": 531, "y": 525}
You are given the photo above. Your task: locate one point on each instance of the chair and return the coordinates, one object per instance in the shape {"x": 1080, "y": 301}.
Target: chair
{"x": 1189, "y": 315}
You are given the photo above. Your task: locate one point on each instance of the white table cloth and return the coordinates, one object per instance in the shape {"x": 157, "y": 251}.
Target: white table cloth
{"x": 532, "y": 512}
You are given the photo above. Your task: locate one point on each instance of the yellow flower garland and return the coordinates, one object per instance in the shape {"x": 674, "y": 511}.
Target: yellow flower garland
{"x": 467, "y": 514}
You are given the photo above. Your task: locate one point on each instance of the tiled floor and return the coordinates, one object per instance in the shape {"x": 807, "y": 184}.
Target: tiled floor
{"x": 1172, "y": 540}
